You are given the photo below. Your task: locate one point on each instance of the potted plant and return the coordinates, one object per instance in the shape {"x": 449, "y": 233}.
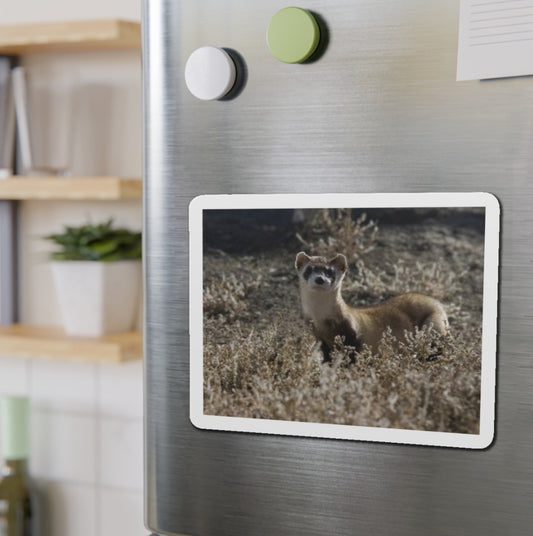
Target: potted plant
{"x": 97, "y": 273}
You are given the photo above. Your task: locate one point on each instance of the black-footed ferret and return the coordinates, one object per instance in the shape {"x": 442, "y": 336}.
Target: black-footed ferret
{"x": 330, "y": 316}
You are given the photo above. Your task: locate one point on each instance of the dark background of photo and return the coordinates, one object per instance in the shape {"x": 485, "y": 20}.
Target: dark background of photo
{"x": 250, "y": 230}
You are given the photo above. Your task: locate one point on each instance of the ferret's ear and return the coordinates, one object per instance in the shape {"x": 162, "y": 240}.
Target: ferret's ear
{"x": 340, "y": 262}
{"x": 301, "y": 259}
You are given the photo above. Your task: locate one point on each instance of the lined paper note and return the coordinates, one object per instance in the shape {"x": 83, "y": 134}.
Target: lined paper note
{"x": 495, "y": 39}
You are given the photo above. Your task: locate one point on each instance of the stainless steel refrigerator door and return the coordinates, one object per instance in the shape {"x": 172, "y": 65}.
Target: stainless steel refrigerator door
{"x": 379, "y": 112}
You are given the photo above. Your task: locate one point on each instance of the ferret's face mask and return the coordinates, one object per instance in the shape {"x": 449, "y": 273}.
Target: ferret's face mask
{"x": 321, "y": 278}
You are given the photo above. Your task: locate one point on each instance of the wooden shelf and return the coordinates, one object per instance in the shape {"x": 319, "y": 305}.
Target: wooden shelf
{"x": 50, "y": 342}
{"x": 69, "y": 36}
{"x": 70, "y": 188}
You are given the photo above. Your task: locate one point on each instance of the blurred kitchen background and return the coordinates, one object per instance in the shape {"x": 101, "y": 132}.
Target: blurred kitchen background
{"x": 87, "y": 430}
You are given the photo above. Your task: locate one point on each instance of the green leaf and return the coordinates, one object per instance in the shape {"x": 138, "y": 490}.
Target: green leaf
{"x": 97, "y": 242}
{"x": 104, "y": 247}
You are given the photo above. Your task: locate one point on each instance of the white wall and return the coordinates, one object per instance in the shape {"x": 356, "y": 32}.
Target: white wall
{"x": 23, "y": 11}
{"x": 87, "y": 418}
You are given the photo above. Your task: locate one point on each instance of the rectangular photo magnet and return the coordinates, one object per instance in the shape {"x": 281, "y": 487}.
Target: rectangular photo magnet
{"x": 345, "y": 316}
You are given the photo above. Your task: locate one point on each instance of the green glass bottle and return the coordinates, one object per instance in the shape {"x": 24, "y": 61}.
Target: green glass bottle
{"x": 16, "y": 496}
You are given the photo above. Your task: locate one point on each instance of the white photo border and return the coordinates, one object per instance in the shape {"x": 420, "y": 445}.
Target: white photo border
{"x": 367, "y": 200}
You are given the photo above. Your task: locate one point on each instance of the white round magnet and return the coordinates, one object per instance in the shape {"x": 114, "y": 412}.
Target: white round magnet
{"x": 210, "y": 73}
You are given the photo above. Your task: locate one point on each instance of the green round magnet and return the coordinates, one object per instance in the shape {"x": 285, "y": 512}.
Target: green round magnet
{"x": 293, "y": 35}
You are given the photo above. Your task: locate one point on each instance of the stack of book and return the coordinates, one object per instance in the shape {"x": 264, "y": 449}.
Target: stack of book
{"x": 7, "y": 118}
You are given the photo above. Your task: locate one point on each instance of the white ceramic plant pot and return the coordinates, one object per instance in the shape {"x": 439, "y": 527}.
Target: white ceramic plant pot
{"x": 96, "y": 298}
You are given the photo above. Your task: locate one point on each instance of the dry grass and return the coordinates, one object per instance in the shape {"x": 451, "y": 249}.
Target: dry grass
{"x": 260, "y": 359}
{"x": 330, "y": 232}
